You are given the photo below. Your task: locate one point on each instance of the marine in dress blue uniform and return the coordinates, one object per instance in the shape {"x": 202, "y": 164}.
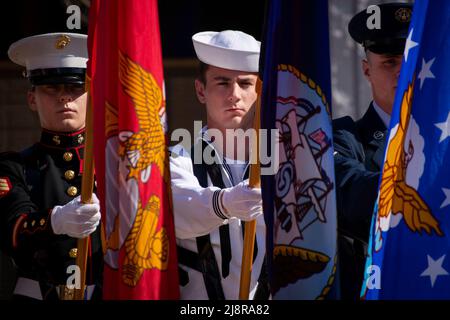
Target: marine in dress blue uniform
{"x": 41, "y": 216}
{"x": 359, "y": 145}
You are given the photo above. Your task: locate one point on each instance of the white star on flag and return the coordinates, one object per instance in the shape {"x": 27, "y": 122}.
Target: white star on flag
{"x": 426, "y": 73}
{"x": 445, "y": 127}
{"x": 447, "y": 198}
{"x": 409, "y": 45}
{"x": 434, "y": 269}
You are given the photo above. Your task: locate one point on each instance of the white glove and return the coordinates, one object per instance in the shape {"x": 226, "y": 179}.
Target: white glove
{"x": 76, "y": 219}
{"x": 241, "y": 201}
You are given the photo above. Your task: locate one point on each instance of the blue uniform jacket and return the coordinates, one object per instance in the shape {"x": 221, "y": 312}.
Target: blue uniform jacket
{"x": 359, "y": 153}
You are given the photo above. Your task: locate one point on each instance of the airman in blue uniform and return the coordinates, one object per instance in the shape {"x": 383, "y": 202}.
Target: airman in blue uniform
{"x": 359, "y": 145}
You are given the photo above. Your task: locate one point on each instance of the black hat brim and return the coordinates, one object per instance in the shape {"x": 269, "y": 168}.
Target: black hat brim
{"x": 390, "y": 37}
{"x": 57, "y": 76}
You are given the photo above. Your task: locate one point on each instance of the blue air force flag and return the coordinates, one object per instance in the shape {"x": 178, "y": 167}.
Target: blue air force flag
{"x": 409, "y": 250}
{"x": 299, "y": 200}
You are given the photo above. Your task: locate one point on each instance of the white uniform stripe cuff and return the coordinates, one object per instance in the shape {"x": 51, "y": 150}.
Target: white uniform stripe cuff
{"x": 216, "y": 205}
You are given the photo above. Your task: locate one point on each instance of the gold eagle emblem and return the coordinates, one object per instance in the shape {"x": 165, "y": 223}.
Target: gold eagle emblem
{"x": 145, "y": 247}
{"x": 62, "y": 42}
{"x": 395, "y": 195}
{"x": 147, "y": 146}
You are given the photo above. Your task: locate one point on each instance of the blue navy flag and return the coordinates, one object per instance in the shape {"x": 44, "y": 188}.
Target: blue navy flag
{"x": 410, "y": 237}
{"x": 299, "y": 200}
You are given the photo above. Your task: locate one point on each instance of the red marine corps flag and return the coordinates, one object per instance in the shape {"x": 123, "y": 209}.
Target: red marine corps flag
{"x": 131, "y": 159}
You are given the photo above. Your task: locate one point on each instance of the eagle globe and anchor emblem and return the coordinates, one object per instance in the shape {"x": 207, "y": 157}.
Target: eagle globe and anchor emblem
{"x": 146, "y": 244}
{"x": 304, "y": 218}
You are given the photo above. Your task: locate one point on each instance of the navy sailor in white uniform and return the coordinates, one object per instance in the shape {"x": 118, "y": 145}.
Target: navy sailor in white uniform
{"x": 212, "y": 200}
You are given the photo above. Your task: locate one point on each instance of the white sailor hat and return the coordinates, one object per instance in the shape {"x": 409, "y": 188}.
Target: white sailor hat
{"x": 234, "y": 50}
{"x": 52, "y": 58}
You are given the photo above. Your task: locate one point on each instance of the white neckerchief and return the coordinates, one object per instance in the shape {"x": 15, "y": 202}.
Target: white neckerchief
{"x": 385, "y": 117}
{"x": 237, "y": 169}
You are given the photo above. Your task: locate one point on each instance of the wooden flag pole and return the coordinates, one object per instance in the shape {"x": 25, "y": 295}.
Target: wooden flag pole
{"x": 87, "y": 187}
{"x": 250, "y": 227}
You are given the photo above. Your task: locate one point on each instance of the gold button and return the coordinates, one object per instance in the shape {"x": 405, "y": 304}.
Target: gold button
{"x": 73, "y": 252}
{"x": 25, "y": 225}
{"x": 33, "y": 223}
{"x": 69, "y": 174}
{"x": 42, "y": 222}
{"x": 56, "y": 140}
{"x": 72, "y": 191}
{"x": 67, "y": 156}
